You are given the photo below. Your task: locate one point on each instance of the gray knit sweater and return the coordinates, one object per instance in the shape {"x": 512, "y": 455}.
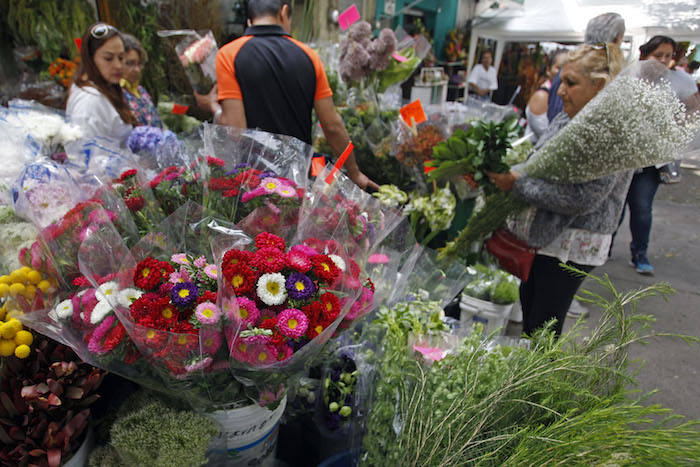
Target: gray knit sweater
{"x": 595, "y": 206}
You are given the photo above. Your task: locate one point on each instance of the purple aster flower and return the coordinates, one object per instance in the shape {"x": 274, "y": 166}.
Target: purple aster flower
{"x": 299, "y": 286}
{"x": 184, "y": 294}
{"x": 244, "y": 165}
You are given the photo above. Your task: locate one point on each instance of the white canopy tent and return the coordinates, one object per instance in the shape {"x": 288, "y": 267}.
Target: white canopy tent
{"x": 566, "y": 20}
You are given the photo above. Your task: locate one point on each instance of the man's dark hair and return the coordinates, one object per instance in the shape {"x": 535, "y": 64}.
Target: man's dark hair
{"x": 260, "y": 8}
{"x": 693, "y": 66}
{"x": 654, "y": 43}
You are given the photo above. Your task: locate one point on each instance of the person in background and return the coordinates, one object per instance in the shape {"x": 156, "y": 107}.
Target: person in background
{"x": 646, "y": 181}
{"x": 268, "y": 80}
{"x": 483, "y": 79}
{"x": 608, "y": 27}
{"x": 140, "y": 102}
{"x": 569, "y": 223}
{"x": 536, "y": 110}
{"x": 95, "y": 100}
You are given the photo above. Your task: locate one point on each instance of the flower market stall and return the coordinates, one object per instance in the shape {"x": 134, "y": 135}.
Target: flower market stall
{"x": 212, "y": 298}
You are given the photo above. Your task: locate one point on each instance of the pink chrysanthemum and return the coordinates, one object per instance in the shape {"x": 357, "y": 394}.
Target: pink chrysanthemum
{"x": 286, "y": 191}
{"x": 261, "y": 354}
{"x": 362, "y": 306}
{"x": 284, "y": 352}
{"x": 178, "y": 277}
{"x": 246, "y": 312}
{"x": 378, "y": 259}
{"x": 95, "y": 345}
{"x": 269, "y": 185}
{"x": 207, "y": 313}
{"x": 239, "y": 350}
{"x": 180, "y": 258}
{"x": 200, "y": 262}
{"x": 307, "y": 250}
{"x": 199, "y": 365}
{"x": 211, "y": 271}
{"x": 210, "y": 340}
{"x": 248, "y": 195}
{"x": 257, "y": 339}
{"x": 292, "y": 323}
{"x": 298, "y": 260}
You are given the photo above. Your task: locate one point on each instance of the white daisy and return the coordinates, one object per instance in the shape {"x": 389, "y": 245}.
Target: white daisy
{"x": 107, "y": 291}
{"x": 100, "y": 312}
{"x": 129, "y": 296}
{"x": 64, "y": 310}
{"x": 338, "y": 261}
{"x": 271, "y": 289}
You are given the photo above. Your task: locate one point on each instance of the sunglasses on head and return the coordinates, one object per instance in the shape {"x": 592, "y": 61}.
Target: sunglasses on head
{"x": 603, "y": 46}
{"x": 100, "y": 30}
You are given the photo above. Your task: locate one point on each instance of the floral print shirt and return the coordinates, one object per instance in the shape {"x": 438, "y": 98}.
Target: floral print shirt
{"x": 142, "y": 107}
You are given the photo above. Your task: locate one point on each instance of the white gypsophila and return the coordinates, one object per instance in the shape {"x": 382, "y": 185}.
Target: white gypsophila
{"x": 271, "y": 289}
{"x": 101, "y": 311}
{"x": 631, "y": 123}
{"x": 340, "y": 262}
{"x": 107, "y": 291}
{"x": 64, "y": 310}
{"x": 129, "y": 296}
{"x": 45, "y": 128}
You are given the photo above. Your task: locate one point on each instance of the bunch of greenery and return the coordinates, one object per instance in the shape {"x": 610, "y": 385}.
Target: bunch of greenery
{"x": 49, "y": 25}
{"x": 149, "y": 432}
{"x": 562, "y": 401}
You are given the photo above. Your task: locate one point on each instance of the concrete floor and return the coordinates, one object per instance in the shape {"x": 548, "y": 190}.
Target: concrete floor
{"x": 669, "y": 365}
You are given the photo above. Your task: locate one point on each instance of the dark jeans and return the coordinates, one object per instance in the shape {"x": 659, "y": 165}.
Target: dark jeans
{"x": 548, "y": 293}
{"x": 640, "y": 198}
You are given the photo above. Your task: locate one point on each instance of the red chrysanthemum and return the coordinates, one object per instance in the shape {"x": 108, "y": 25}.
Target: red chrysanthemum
{"x": 114, "y": 337}
{"x": 207, "y": 296}
{"x": 127, "y": 175}
{"x": 148, "y": 274}
{"x": 81, "y": 281}
{"x": 268, "y": 323}
{"x": 241, "y": 277}
{"x": 331, "y": 306}
{"x": 266, "y": 239}
{"x": 369, "y": 284}
{"x": 222, "y": 184}
{"x": 315, "y": 328}
{"x": 313, "y": 311}
{"x": 354, "y": 268}
{"x": 235, "y": 257}
{"x": 324, "y": 268}
{"x": 247, "y": 179}
{"x": 164, "y": 313}
{"x": 268, "y": 259}
{"x": 135, "y": 204}
{"x": 315, "y": 243}
{"x": 277, "y": 339}
{"x": 215, "y": 161}
{"x": 230, "y": 193}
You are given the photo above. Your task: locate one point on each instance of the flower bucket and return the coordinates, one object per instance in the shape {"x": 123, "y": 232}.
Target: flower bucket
{"x": 248, "y": 435}
{"x": 81, "y": 456}
{"x": 492, "y": 316}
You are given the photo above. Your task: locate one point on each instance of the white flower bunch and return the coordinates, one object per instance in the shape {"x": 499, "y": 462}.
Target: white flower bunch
{"x": 633, "y": 122}
{"x": 47, "y": 129}
{"x": 391, "y": 196}
{"x": 437, "y": 208}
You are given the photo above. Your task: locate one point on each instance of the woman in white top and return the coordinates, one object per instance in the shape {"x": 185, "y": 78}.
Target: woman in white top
{"x": 483, "y": 79}
{"x": 96, "y": 101}
{"x": 536, "y": 110}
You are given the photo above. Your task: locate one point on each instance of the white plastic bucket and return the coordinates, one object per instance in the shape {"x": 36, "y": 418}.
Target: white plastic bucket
{"x": 492, "y": 316}
{"x": 81, "y": 456}
{"x": 248, "y": 435}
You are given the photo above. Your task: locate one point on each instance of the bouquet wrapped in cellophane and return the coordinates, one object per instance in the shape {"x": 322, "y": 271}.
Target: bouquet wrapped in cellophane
{"x": 637, "y": 120}
{"x": 198, "y": 55}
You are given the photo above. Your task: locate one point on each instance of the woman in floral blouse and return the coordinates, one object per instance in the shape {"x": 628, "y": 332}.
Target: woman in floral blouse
{"x": 136, "y": 96}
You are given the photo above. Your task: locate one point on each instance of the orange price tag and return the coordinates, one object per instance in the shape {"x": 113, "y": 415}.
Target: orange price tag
{"x": 413, "y": 111}
{"x": 179, "y": 109}
{"x": 341, "y": 160}
{"x": 427, "y": 169}
{"x": 317, "y": 165}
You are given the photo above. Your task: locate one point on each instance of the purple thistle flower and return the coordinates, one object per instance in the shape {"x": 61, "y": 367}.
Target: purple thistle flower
{"x": 299, "y": 286}
{"x": 184, "y": 294}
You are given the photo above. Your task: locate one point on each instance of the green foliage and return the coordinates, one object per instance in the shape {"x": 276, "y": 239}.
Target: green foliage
{"x": 493, "y": 285}
{"x": 482, "y": 148}
{"x": 49, "y": 25}
{"x": 148, "y": 432}
{"x": 560, "y": 402}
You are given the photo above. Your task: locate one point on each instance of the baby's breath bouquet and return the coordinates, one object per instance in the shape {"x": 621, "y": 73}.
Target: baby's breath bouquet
{"x": 636, "y": 121}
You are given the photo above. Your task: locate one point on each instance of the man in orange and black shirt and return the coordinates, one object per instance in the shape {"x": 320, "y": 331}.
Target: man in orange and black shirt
{"x": 268, "y": 80}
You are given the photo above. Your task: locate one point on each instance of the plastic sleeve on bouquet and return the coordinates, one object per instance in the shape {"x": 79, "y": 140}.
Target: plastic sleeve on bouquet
{"x": 166, "y": 299}
{"x": 198, "y": 56}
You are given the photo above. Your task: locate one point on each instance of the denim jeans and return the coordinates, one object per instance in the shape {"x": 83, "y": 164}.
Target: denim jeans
{"x": 640, "y": 198}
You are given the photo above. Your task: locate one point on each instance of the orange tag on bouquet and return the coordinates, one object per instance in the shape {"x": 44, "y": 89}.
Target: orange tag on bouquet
{"x": 179, "y": 109}
{"x": 413, "y": 113}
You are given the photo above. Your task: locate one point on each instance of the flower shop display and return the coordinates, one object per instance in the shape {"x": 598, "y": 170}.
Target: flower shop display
{"x": 198, "y": 55}
{"x": 638, "y": 109}
{"x": 552, "y": 400}
{"x": 62, "y": 70}
{"x": 46, "y": 402}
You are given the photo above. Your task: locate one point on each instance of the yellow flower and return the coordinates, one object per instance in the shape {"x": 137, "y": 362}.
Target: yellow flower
{"x": 7, "y": 347}
{"x": 4, "y": 289}
{"x": 44, "y": 286}
{"x": 34, "y": 277}
{"x": 17, "y": 289}
{"x": 8, "y": 330}
{"x": 18, "y": 276}
{"x": 5, "y": 279}
{"x": 22, "y": 351}
{"x": 24, "y": 338}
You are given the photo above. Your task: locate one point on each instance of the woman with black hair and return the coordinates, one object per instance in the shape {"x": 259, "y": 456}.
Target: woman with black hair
{"x": 96, "y": 101}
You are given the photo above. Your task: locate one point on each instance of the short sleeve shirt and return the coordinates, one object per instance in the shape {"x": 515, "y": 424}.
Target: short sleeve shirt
{"x": 485, "y": 79}
{"x": 277, "y": 77}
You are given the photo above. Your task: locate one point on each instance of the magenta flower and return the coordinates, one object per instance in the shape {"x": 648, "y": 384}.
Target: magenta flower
{"x": 211, "y": 340}
{"x": 180, "y": 276}
{"x": 292, "y": 323}
{"x": 307, "y": 250}
{"x": 261, "y": 354}
{"x": 284, "y": 352}
{"x": 246, "y": 313}
{"x": 95, "y": 345}
{"x": 199, "y": 365}
{"x": 248, "y": 195}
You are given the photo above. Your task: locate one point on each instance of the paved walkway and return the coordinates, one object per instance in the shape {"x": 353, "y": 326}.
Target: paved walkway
{"x": 671, "y": 366}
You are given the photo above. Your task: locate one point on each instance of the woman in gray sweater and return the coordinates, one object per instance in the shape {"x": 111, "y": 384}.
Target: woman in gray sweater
{"x": 568, "y": 223}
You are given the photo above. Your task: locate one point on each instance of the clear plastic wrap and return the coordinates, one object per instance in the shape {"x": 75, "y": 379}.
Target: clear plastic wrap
{"x": 197, "y": 54}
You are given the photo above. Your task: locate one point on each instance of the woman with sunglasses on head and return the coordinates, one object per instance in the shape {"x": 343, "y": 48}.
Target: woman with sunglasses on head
{"x": 568, "y": 223}
{"x": 136, "y": 96}
{"x": 95, "y": 100}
